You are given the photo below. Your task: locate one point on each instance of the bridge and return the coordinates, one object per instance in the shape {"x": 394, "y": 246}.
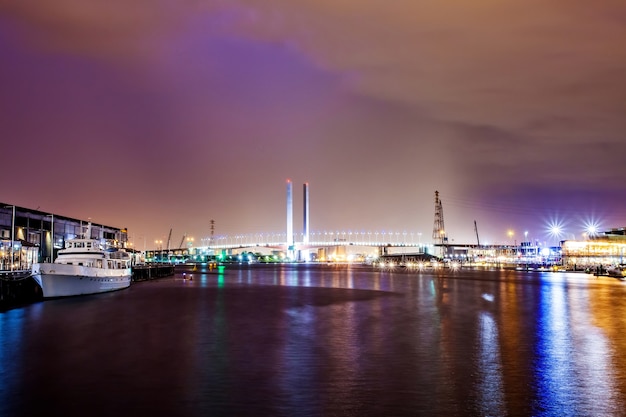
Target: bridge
{"x": 296, "y": 245}
{"x": 315, "y": 240}
{"x": 319, "y": 244}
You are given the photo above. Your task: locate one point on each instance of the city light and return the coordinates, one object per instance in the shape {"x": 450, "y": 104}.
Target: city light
{"x": 555, "y": 229}
{"x": 510, "y": 233}
{"x": 591, "y": 227}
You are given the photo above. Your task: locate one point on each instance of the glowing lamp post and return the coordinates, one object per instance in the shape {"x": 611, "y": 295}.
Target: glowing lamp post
{"x": 591, "y": 230}
{"x": 555, "y": 232}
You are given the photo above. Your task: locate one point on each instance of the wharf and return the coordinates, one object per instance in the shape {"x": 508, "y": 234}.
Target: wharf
{"x": 152, "y": 271}
{"x": 18, "y": 288}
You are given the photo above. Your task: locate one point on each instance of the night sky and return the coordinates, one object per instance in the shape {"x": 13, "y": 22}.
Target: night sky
{"x": 154, "y": 114}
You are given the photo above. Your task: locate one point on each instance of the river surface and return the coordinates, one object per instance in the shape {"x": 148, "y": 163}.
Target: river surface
{"x": 323, "y": 341}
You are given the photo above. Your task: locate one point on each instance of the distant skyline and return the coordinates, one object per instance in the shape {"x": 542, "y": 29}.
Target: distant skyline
{"x": 549, "y": 231}
{"x": 152, "y": 115}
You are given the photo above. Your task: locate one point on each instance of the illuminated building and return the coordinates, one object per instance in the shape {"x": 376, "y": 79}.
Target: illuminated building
{"x": 28, "y": 236}
{"x": 607, "y": 248}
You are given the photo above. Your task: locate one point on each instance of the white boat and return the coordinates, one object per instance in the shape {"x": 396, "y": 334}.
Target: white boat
{"x": 85, "y": 266}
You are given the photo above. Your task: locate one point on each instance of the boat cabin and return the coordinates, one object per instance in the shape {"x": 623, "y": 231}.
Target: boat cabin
{"x": 82, "y": 244}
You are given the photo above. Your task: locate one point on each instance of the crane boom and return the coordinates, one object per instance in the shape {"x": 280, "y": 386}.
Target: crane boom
{"x": 476, "y": 230}
{"x": 168, "y": 240}
{"x": 182, "y": 241}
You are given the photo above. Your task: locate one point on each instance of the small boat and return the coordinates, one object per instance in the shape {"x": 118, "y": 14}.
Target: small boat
{"x": 616, "y": 271}
{"x": 84, "y": 266}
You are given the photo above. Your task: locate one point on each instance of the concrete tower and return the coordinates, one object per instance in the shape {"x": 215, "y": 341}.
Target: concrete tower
{"x": 305, "y": 223}
{"x": 289, "y": 216}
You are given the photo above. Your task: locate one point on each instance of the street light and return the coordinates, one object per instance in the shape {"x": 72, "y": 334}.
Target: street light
{"x": 555, "y": 231}
{"x": 591, "y": 230}
{"x": 510, "y": 233}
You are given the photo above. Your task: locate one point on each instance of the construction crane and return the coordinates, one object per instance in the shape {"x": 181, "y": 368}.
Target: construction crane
{"x": 182, "y": 241}
{"x": 169, "y": 237}
{"x": 476, "y": 230}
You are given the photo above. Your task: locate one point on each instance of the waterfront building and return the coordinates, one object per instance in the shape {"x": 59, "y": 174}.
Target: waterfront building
{"x": 28, "y": 236}
{"x": 604, "y": 249}
{"x": 526, "y": 254}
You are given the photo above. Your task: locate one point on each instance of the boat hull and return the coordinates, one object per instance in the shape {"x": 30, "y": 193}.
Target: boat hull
{"x": 58, "y": 280}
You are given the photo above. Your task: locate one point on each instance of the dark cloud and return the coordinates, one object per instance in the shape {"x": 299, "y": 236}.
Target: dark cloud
{"x": 182, "y": 112}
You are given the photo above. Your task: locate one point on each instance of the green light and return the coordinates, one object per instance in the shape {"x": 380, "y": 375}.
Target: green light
{"x": 220, "y": 275}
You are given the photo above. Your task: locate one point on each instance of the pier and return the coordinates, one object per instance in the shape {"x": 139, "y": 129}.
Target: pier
{"x": 154, "y": 271}
{"x": 18, "y": 288}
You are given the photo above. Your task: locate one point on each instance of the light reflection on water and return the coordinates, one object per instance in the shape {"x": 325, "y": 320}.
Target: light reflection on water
{"x": 11, "y": 329}
{"x": 490, "y": 385}
{"x": 573, "y": 370}
{"x": 553, "y": 366}
{"x": 316, "y": 341}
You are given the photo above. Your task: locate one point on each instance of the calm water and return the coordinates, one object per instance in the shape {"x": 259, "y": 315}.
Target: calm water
{"x": 323, "y": 341}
